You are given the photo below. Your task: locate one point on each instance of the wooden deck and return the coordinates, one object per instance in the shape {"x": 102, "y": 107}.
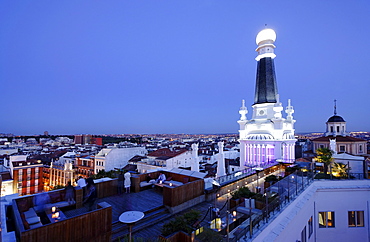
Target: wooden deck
{"x": 153, "y": 231}
{"x": 141, "y": 201}
{"x": 156, "y": 215}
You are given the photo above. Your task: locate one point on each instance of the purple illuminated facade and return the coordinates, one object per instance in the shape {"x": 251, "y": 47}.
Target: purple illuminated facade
{"x": 267, "y": 136}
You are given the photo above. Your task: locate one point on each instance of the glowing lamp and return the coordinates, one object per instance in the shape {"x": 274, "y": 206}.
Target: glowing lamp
{"x": 218, "y": 223}
{"x": 234, "y": 213}
{"x": 53, "y": 209}
{"x": 170, "y": 184}
{"x": 160, "y": 182}
{"x": 55, "y": 215}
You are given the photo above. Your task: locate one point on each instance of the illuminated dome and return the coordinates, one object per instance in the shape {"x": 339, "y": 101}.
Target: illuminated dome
{"x": 266, "y": 34}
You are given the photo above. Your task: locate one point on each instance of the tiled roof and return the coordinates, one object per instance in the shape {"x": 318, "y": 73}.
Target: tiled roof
{"x": 136, "y": 158}
{"x": 166, "y": 153}
{"x": 338, "y": 139}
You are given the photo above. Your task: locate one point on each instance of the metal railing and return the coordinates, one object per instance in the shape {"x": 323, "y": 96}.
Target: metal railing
{"x": 222, "y": 180}
{"x": 271, "y": 203}
{"x": 276, "y": 198}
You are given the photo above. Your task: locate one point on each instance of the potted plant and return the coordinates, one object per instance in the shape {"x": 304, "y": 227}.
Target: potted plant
{"x": 290, "y": 169}
{"x": 270, "y": 180}
{"x": 239, "y": 195}
{"x": 235, "y": 199}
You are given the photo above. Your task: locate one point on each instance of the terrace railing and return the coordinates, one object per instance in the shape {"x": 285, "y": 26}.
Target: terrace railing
{"x": 229, "y": 178}
{"x": 275, "y": 199}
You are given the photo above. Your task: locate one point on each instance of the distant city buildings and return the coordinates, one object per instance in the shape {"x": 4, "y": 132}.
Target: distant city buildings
{"x": 116, "y": 157}
{"x": 26, "y": 174}
{"x": 166, "y": 158}
{"x": 87, "y": 139}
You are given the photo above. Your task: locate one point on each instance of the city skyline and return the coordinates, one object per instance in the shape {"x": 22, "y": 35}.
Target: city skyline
{"x": 176, "y": 67}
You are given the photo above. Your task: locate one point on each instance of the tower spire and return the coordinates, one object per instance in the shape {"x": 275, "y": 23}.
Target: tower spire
{"x": 335, "y": 106}
{"x": 266, "y": 88}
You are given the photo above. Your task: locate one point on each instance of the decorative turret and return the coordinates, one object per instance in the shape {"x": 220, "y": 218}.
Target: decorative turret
{"x": 265, "y": 41}
{"x": 336, "y": 125}
{"x": 278, "y": 107}
{"x": 243, "y": 111}
{"x": 289, "y": 111}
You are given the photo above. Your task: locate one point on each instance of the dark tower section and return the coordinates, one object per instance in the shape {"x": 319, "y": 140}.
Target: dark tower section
{"x": 266, "y": 88}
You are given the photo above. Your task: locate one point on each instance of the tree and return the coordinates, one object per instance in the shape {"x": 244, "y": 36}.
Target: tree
{"x": 181, "y": 223}
{"x": 324, "y": 155}
{"x": 103, "y": 173}
{"x": 242, "y": 192}
{"x": 340, "y": 169}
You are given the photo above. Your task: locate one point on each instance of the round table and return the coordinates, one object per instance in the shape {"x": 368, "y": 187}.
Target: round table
{"x": 130, "y": 217}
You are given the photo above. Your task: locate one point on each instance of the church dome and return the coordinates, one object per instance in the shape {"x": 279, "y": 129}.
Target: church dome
{"x": 335, "y": 118}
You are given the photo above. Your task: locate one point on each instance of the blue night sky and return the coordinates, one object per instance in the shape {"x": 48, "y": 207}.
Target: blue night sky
{"x": 111, "y": 67}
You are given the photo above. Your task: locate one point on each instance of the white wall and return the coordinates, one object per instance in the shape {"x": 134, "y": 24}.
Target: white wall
{"x": 337, "y": 196}
{"x": 183, "y": 160}
{"x": 118, "y": 158}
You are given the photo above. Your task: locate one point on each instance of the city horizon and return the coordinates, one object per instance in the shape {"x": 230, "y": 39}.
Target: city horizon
{"x": 93, "y": 134}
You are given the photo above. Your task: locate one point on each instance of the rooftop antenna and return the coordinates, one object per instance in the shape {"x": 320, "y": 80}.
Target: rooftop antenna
{"x": 335, "y": 106}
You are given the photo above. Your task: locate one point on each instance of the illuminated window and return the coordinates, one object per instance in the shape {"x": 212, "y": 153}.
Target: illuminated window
{"x": 310, "y": 227}
{"x": 356, "y": 218}
{"x": 326, "y": 220}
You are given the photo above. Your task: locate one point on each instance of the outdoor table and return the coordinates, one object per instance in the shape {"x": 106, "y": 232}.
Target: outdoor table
{"x": 130, "y": 217}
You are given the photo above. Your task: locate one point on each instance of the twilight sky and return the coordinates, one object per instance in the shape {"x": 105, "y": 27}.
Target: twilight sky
{"x": 110, "y": 67}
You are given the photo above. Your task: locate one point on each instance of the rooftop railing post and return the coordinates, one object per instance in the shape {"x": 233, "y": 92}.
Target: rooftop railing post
{"x": 296, "y": 183}
{"x": 288, "y": 189}
{"x": 267, "y": 208}
{"x": 302, "y": 180}
{"x": 279, "y": 193}
{"x": 250, "y": 218}
{"x": 227, "y": 225}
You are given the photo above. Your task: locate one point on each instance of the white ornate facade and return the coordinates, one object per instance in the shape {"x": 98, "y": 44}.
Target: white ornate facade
{"x": 267, "y": 136}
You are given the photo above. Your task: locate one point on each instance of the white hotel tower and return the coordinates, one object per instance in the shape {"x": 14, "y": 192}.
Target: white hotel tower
{"x": 267, "y": 136}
